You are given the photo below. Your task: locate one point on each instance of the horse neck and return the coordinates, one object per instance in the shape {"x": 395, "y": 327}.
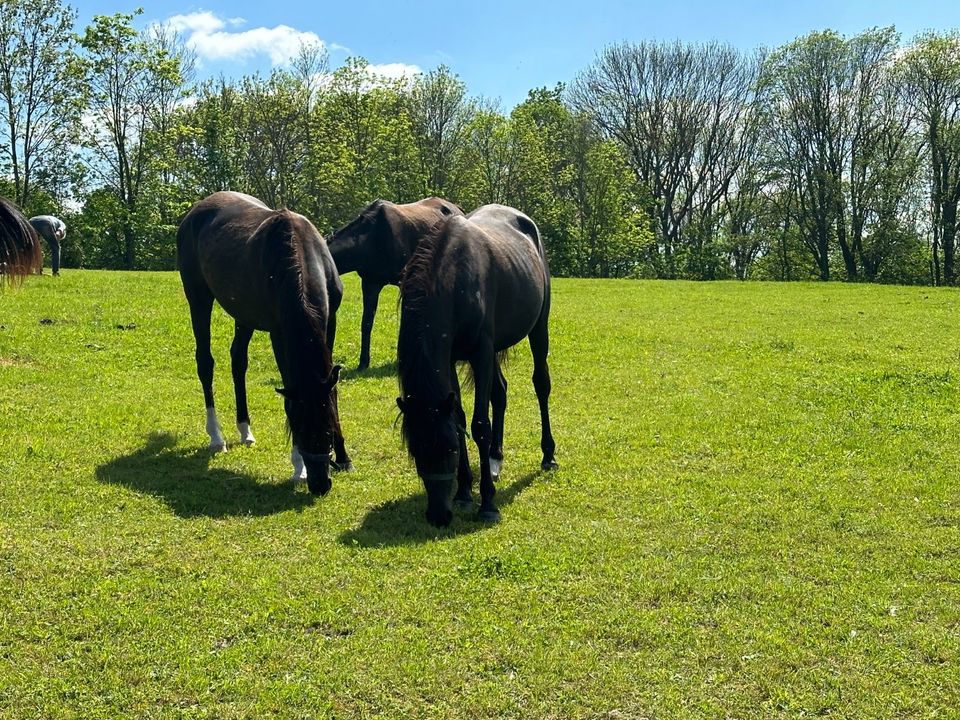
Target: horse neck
{"x": 305, "y": 352}
{"x": 347, "y": 252}
{"x": 406, "y": 227}
{"x": 303, "y": 325}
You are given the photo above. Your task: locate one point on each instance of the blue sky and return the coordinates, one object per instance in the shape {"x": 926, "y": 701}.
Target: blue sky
{"x": 502, "y": 48}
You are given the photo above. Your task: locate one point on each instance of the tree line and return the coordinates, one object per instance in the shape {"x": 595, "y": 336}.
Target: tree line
{"x": 830, "y": 157}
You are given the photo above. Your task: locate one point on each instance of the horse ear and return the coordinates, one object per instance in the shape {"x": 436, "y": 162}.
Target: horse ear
{"x": 281, "y": 391}
{"x": 401, "y": 405}
{"x": 334, "y": 375}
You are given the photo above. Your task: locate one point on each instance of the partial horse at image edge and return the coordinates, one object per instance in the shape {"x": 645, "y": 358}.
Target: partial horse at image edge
{"x": 20, "y": 251}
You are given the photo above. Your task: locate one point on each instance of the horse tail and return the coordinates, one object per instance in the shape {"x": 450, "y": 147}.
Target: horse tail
{"x": 20, "y": 251}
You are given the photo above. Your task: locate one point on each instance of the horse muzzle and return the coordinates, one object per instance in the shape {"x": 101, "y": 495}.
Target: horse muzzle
{"x": 318, "y": 472}
{"x": 440, "y": 488}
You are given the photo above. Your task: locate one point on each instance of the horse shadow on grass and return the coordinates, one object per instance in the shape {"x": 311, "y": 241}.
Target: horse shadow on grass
{"x": 184, "y": 480}
{"x": 388, "y": 369}
{"x": 402, "y": 522}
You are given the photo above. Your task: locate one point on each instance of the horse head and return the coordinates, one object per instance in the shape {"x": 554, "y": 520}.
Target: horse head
{"x": 312, "y": 420}
{"x": 431, "y": 432}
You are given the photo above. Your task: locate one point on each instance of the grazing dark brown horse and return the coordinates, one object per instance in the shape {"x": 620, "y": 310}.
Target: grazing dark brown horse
{"x": 270, "y": 270}
{"x": 476, "y": 286}
{"x": 20, "y": 252}
{"x": 378, "y": 244}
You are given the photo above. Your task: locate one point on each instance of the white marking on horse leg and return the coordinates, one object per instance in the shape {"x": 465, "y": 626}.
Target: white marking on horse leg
{"x": 299, "y": 469}
{"x": 495, "y": 465}
{"x": 246, "y": 437}
{"x": 217, "y": 443}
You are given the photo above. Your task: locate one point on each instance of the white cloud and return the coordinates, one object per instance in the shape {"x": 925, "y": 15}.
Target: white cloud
{"x": 210, "y": 37}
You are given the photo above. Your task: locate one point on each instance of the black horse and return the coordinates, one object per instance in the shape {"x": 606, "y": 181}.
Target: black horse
{"x": 270, "y": 270}
{"x": 378, "y": 244}
{"x": 475, "y": 286}
{"x": 20, "y": 252}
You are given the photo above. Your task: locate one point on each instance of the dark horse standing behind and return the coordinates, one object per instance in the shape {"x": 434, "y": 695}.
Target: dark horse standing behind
{"x": 378, "y": 244}
{"x": 20, "y": 252}
{"x": 270, "y": 270}
{"x": 476, "y": 286}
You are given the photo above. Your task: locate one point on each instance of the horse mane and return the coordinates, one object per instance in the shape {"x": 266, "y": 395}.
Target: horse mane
{"x": 20, "y": 250}
{"x": 289, "y": 256}
{"x": 419, "y": 278}
{"x": 417, "y": 285}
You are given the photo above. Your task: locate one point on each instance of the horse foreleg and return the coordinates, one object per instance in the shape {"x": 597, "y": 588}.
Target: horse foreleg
{"x": 238, "y": 366}
{"x": 540, "y": 347}
{"x": 371, "y": 298}
{"x": 464, "y": 496}
{"x": 341, "y": 459}
{"x": 201, "y": 305}
{"x": 484, "y": 367}
{"x": 299, "y": 474}
{"x": 498, "y": 400}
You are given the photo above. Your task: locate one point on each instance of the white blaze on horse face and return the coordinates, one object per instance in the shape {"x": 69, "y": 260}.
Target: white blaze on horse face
{"x": 217, "y": 443}
{"x": 495, "y": 465}
{"x": 299, "y": 469}
{"x": 246, "y": 437}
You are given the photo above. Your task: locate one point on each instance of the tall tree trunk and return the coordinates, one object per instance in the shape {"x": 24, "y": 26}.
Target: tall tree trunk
{"x": 948, "y": 238}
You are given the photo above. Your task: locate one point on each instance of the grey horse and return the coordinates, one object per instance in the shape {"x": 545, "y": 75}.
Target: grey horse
{"x": 53, "y": 230}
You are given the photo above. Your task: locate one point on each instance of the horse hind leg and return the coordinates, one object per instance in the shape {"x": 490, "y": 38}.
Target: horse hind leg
{"x": 540, "y": 347}
{"x": 498, "y": 401}
{"x": 484, "y": 368}
{"x": 201, "y": 305}
{"x": 371, "y": 298}
{"x": 239, "y": 361}
{"x": 464, "y": 496}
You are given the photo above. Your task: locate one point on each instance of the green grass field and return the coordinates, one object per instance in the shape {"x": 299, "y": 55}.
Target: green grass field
{"x": 756, "y": 516}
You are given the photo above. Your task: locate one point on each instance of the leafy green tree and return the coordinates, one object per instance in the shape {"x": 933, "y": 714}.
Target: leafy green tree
{"x": 677, "y": 110}
{"x": 486, "y": 159}
{"x": 40, "y": 96}
{"x": 127, "y": 74}
{"x": 366, "y": 144}
{"x": 275, "y": 126}
{"x": 930, "y": 75}
{"x": 209, "y": 141}
{"x": 441, "y": 115}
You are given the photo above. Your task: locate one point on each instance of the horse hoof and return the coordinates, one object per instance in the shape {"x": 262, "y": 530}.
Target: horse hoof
{"x": 548, "y": 465}
{"x": 342, "y": 467}
{"x": 298, "y": 478}
{"x": 217, "y": 447}
{"x": 246, "y": 437}
{"x": 463, "y": 503}
{"x": 489, "y": 516}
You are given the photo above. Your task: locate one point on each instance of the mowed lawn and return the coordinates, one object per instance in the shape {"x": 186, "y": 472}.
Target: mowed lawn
{"x": 756, "y": 516}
